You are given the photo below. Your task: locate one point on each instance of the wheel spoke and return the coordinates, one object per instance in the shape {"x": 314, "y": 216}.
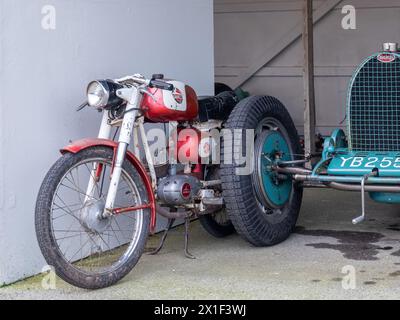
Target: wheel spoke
{"x": 69, "y": 212}
{"x": 75, "y": 185}
{"x": 79, "y": 191}
{"x": 79, "y": 250}
{"x": 85, "y": 242}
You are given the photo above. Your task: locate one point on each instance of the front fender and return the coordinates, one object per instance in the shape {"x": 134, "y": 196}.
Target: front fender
{"x": 80, "y": 145}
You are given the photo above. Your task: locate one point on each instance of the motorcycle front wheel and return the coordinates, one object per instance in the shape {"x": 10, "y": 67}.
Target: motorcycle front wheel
{"x": 86, "y": 250}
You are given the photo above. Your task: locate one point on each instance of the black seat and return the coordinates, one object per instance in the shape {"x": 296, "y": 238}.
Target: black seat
{"x": 218, "y": 107}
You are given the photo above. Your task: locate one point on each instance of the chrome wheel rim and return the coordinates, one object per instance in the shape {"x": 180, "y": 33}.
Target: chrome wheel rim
{"x": 86, "y": 245}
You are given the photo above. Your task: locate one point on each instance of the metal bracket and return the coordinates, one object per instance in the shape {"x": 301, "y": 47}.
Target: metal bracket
{"x": 125, "y": 94}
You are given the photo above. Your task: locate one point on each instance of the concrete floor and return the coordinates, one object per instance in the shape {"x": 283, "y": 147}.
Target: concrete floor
{"x": 307, "y": 266}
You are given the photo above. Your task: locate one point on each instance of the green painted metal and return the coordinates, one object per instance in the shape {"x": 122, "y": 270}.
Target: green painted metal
{"x": 342, "y": 161}
{"x": 241, "y": 94}
{"x": 373, "y": 124}
{"x": 355, "y": 163}
{"x": 337, "y": 141}
{"x": 275, "y": 149}
{"x": 385, "y": 197}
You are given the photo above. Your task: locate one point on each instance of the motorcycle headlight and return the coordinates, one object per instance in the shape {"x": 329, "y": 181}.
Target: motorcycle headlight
{"x": 101, "y": 94}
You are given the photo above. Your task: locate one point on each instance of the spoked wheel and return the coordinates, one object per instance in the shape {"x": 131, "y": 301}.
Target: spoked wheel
{"x": 85, "y": 249}
{"x": 263, "y": 206}
{"x": 217, "y": 223}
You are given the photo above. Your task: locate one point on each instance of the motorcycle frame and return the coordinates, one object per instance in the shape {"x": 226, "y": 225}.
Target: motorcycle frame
{"x": 131, "y": 128}
{"x": 132, "y": 131}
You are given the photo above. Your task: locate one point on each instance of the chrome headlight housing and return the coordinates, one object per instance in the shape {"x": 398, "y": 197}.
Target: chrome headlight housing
{"x": 102, "y": 94}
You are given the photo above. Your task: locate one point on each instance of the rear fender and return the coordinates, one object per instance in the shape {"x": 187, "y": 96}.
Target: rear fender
{"x": 80, "y": 145}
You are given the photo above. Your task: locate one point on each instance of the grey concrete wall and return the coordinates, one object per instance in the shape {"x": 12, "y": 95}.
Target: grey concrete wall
{"x": 244, "y": 28}
{"x": 43, "y": 76}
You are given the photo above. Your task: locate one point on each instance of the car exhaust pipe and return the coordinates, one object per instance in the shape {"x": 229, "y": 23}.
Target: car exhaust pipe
{"x": 304, "y": 175}
{"x": 367, "y": 188}
{"x": 349, "y": 186}
{"x": 293, "y": 170}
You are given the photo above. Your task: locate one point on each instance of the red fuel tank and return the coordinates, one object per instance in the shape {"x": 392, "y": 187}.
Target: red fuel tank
{"x": 178, "y": 105}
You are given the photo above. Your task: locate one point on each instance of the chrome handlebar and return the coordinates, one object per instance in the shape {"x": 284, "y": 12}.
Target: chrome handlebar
{"x": 140, "y": 80}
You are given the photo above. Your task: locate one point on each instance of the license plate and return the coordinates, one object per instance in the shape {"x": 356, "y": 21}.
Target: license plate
{"x": 388, "y": 164}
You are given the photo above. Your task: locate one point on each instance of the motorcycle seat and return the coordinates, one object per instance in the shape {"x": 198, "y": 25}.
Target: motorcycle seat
{"x": 217, "y": 107}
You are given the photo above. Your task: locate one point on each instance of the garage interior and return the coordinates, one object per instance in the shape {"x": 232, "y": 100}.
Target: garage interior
{"x": 266, "y": 47}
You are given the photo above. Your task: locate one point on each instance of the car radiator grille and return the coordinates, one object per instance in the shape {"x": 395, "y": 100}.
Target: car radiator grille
{"x": 374, "y": 106}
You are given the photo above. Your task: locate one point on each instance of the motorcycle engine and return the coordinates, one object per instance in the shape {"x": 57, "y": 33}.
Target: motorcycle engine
{"x": 178, "y": 189}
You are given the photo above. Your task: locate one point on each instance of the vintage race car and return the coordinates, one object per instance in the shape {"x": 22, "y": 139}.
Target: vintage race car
{"x": 365, "y": 159}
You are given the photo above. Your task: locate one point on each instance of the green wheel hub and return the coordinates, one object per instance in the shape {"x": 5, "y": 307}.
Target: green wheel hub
{"x": 272, "y": 189}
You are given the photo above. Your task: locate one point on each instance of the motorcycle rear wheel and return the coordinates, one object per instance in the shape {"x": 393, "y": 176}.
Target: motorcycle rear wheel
{"x": 84, "y": 250}
{"x": 217, "y": 223}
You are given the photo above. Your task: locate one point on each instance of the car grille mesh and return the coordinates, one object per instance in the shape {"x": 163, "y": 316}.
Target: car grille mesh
{"x": 374, "y": 106}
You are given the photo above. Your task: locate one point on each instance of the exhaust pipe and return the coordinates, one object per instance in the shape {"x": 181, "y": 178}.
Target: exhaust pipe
{"x": 172, "y": 215}
{"x": 367, "y": 188}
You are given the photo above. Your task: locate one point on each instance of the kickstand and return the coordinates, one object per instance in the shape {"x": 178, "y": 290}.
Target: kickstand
{"x": 187, "y": 253}
{"x": 170, "y": 223}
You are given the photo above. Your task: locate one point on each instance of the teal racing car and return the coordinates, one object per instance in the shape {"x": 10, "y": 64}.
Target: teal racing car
{"x": 264, "y": 206}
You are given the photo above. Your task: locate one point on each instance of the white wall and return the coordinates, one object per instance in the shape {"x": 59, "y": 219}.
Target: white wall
{"x": 43, "y": 75}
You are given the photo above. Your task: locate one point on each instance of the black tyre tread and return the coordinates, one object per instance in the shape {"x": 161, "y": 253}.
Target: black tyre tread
{"x": 214, "y": 228}
{"x": 238, "y": 191}
{"x": 43, "y": 226}
{"x": 207, "y": 221}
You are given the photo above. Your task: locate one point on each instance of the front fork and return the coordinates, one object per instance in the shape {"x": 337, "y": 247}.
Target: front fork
{"x": 104, "y": 133}
{"x": 133, "y": 95}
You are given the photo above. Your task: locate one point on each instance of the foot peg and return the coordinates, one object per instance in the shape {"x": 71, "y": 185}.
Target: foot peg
{"x": 363, "y": 180}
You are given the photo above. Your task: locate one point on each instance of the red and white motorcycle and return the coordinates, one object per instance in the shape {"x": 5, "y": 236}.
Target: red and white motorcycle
{"x": 98, "y": 203}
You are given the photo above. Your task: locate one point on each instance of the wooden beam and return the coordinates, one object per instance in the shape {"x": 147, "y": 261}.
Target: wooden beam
{"x": 308, "y": 75}
{"x": 276, "y": 48}
{"x": 281, "y": 71}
